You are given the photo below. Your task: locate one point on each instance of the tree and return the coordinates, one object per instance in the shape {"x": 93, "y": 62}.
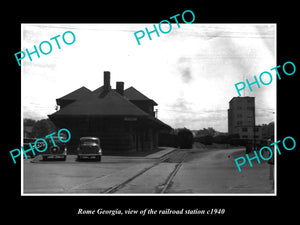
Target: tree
{"x": 43, "y": 127}
{"x": 29, "y": 122}
{"x": 206, "y": 132}
{"x": 185, "y": 138}
{"x": 27, "y": 127}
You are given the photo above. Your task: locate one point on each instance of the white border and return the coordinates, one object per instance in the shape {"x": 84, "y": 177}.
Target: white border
{"x": 22, "y": 123}
{"x": 275, "y": 121}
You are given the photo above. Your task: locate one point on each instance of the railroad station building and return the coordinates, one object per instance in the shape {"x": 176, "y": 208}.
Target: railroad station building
{"x": 124, "y": 120}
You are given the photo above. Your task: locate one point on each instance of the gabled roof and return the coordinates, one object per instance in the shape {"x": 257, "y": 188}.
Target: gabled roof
{"x": 110, "y": 104}
{"x": 99, "y": 90}
{"x": 103, "y": 103}
{"x": 134, "y": 95}
{"x": 77, "y": 94}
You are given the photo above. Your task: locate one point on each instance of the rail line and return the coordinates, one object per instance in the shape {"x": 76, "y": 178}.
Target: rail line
{"x": 172, "y": 174}
{"x": 167, "y": 183}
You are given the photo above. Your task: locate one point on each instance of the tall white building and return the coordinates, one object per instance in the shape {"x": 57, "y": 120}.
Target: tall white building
{"x": 241, "y": 117}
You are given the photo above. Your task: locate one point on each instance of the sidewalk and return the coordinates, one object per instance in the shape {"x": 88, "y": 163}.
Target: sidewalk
{"x": 161, "y": 153}
{"x": 110, "y": 181}
{"x": 153, "y": 154}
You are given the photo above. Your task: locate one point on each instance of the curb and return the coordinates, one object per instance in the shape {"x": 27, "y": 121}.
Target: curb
{"x": 161, "y": 156}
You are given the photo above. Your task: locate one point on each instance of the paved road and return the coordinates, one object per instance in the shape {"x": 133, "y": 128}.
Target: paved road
{"x": 205, "y": 171}
{"x": 215, "y": 172}
{"x": 86, "y": 176}
{"x": 199, "y": 170}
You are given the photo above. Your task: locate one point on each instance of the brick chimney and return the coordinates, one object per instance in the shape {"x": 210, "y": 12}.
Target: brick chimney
{"x": 106, "y": 82}
{"x": 106, "y": 85}
{"x": 120, "y": 87}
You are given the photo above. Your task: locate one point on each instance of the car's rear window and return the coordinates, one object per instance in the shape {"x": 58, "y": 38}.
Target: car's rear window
{"x": 88, "y": 142}
{"x": 27, "y": 140}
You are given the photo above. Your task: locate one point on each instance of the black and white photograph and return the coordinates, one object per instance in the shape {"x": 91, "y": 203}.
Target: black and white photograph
{"x": 150, "y": 112}
{"x": 131, "y": 109}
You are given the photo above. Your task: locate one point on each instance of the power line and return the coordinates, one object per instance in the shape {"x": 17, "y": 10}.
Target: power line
{"x": 195, "y": 112}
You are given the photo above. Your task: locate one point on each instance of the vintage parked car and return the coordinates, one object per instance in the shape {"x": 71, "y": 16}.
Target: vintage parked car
{"x": 27, "y": 146}
{"x": 89, "y": 147}
{"x": 57, "y": 151}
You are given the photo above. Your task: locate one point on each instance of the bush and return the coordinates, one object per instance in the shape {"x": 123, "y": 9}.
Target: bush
{"x": 185, "y": 138}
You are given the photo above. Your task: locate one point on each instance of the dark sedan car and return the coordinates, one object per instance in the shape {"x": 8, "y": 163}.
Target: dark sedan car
{"x": 89, "y": 147}
{"x": 57, "y": 150}
{"x": 27, "y": 146}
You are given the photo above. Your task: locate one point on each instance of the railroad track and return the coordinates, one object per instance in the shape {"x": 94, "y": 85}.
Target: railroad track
{"x": 167, "y": 184}
{"x": 178, "y": 157}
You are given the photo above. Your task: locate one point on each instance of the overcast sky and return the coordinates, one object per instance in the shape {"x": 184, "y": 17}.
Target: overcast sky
{"x": 190, "y": 72}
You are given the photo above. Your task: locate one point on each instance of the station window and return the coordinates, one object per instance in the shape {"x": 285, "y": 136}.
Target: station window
{"x": 239, "y": 122}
